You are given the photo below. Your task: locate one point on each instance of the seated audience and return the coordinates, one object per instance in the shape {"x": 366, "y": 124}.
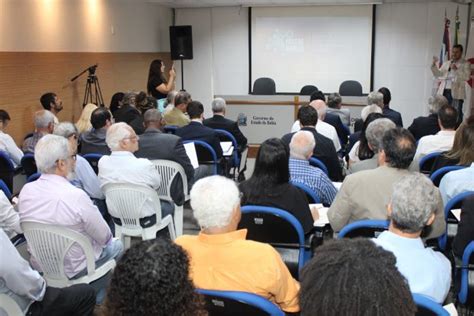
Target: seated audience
{"x": 123, "y": 167}
{"x": 361, "y": 150}
{"x": 365, "y": 194}
{"x": 170, "y": 100}
{"x": 322, "y": 127}
{"x": 176, "y": 116}
{"x": 9, "y": 218}
{"x": 370, "y": 142}
{"x": 152, "y": 278}
{"x": 412, "y": 207}
{"x": 145, "y": 103}
{"x": 465, "y": 233}
{"x": 354, "y": 277}
{"x": 428, "y": 125}
{"x": 51, "y": 102}
{"x": 195, "y": 130}
{"x": 335, "y": 107}
{"x": 443, "y": 140}
{"x": 389, "y": 113}
{"x": 93, "y": 141}
{"x": 325, "y": 150}
{"x": 269, "y": 184}
{"x": 116, "y": 102}
{"x": 44, "y": 124}
{"x": 83, "y": 124}
{"x": 7, "y": 144}
{"x": 53, "y": 200}
{"x": 153, "y": 144}
{"x": 301, "y": 149}
{"x": 354, "y": 138}
{"x": 220, "y": 256}
{"x": 462, "y": 153}
{"x": 128, "y": 113}
{"x": 374, "y": 105}
{"x": 220, "y": 122}
{"x": 30, "y": 292}
{"x": 456, "y": 182}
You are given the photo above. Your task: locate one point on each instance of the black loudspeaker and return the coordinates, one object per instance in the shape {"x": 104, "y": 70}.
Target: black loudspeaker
{"x": 181, "y": 42}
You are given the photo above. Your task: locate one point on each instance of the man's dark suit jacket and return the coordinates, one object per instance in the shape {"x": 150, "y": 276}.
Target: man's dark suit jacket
{"x": 335, "y": 121}
{"x": 220, "y": 122}
{"x": 424, "y": 125}
{"x": 393, "y": 115}
{"x": 131, "y": 116}
{"x": 197, "y": 131}
{"x": 153, "y": 144}
{"x": 93, "y": 142}
{"x": 465, "y": 232}
{"x": 324, "y": 151}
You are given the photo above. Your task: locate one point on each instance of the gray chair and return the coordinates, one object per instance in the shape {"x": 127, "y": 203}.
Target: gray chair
{"x": 350, "y": 88}
{"x": 308, "y": 90}
{"x": 264, "y": 86}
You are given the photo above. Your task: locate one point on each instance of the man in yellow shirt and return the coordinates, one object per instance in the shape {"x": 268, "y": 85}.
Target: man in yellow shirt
{"x": 176, "y": 116}
{"x": 220, "y": 256}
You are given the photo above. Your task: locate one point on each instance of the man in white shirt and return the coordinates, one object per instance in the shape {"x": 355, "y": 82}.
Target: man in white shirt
{"x": 456, "y": 182}
{"x": 443, "y": 140}
{"x": 30, "y": 292}
{"x": 412, "y": 207}
{"x": 9, "y": 218}
{"x": 322, "y": 127}
{"x": 7, "y": 143}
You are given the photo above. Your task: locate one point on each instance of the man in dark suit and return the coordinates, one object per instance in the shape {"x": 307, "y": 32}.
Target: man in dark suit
{"x": 129, "y": 114}
{"x": 389, "y": 113}
{"x": 153, "y": 144}
{"x": 218, "y": 121}
{"x": 324, "y": 149}
{"x": 93, "y": 141}
{"x": 428, "y": 125}
{"x": 195, "y": 130}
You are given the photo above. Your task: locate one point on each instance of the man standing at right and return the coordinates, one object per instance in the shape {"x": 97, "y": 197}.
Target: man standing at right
{"x": 453, "y": 75}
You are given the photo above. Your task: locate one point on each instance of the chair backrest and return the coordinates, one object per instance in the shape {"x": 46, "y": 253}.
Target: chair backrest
{"x": 466, "y": 290}
{"x": 364, "y": 228}
{"x": 439, "y": 174}
{"x": 168, "y": 170}
{"x": 33, "y": 177}
{"x": 9, "y": 305}
{"x": 427, "y": 161}
{"x": 350, "y": 88}
{"x": 427, "y": 306}
{"x": 49, "y": 244}
{"x": 29, "y": 165}
{"x": 225, "y": 303}
{"x": 308, "y": 90}
{"x": 93, "y": 160}
{"x": 310, "y": 194}
{"x": 313, "y": 161}
{"x": 227, "y": 136}
{"x": 264, "y": 86}
{"x": 127, "y": 201}
{"x": 7, "y": 170}
{"x": 205, "y": 153}
{"x": 170, "y": 129}
{"x": 5, "y": 190}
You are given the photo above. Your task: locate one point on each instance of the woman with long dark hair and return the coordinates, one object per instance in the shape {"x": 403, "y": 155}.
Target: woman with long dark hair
{"x": 158, "y": 86}
{"x": 269, "y": 184}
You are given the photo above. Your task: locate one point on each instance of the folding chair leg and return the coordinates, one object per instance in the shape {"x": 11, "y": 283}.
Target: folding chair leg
{"x": 178, "y": 219}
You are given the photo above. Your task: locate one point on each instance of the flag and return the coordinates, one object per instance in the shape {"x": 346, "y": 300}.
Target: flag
{"x": 445, "y": 53}
{"x": 457, "y": 26}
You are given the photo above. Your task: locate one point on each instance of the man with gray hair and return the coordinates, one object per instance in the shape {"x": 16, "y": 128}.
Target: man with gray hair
{"x": 176, "y": 116}
{"x": 220, "y": 256}
{"x": 374, "y": 105}
{"x": 53, "y": 200}
{"x": 218, "y": 121}
{"x": 44, "y": 124}
{"x": 428, "y": 125}
{"x": 335, "y": 107}
{"x": 301, "y": 149}
{"x": 374, "y": 133}
{"x": 412, "y": 207}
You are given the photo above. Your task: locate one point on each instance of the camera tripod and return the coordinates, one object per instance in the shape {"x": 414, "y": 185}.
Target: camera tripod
{"x": 93, "y": 93}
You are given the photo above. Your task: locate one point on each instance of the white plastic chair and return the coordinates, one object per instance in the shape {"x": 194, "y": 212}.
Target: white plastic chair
{"x": 10, "y": 306}
{"x": 168, "y": 170}
{"x": 126, "y": 202}
{"x": 49, "y": 244}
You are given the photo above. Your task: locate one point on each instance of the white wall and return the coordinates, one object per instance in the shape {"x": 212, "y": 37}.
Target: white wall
{"x": 83, "y": 26}
{"x": 407, "y": 36}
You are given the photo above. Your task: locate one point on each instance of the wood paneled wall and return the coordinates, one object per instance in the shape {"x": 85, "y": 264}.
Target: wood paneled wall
{"x": 25, "y": 76}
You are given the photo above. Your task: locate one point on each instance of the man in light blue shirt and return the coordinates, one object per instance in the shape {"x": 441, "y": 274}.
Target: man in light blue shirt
{"x": 456, "y": 182}
{"x": 412, "y": 207}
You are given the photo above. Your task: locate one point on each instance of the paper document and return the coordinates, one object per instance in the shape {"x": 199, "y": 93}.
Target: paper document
{"x": 337, "y": 185}
{"x": 227, "y": 148}
{"x": 451, "y": 309}
{"x": 457, "y": 213}
{"x": 323, "y": 215}
{"x": 191, "y": 152}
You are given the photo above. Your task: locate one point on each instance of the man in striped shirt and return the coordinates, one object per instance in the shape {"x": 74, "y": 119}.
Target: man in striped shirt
{"x": 301, "y": 149}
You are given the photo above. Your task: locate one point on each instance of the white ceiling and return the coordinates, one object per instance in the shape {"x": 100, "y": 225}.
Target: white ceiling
{"x": 255, "y": 3}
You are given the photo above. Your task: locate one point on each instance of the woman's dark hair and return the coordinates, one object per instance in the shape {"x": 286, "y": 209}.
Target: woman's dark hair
{"x": 152, "y": 278}
{"x": 155, "y": 72}
{"x": 364, "y": 151}
{"x": 271, "y": 169}
{"x": 145, "y": 102}
{"x": 4, "y": 116}
{"x": 354, "y": 277}
{"x": 115, "y": 102}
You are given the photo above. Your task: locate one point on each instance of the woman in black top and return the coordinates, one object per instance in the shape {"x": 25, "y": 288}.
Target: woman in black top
{"x": 157, "y": 85}
{"x": 269, "y": 184}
